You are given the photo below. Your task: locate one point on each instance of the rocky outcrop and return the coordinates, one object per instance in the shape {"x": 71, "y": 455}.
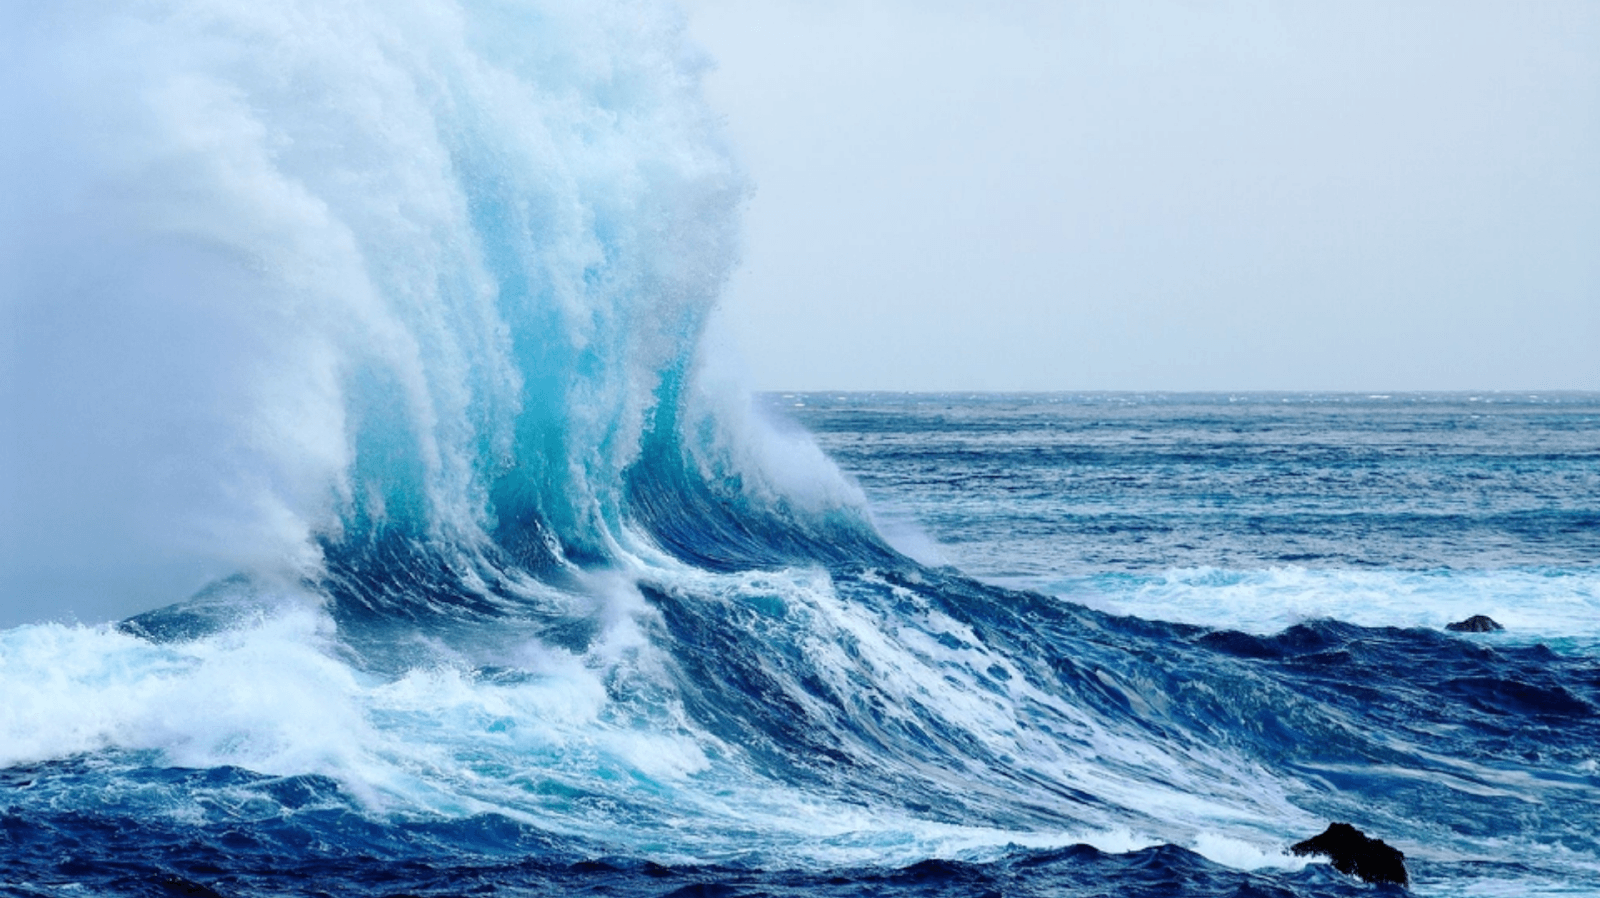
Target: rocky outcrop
{"x": 1478, "y": 623}
{"x": 1353, "y": 854}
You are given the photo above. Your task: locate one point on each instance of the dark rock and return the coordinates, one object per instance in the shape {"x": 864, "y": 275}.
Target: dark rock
{"x": 1352, "y": 853}
{"x": 1478, "y": 623}
{"x": 183, "y": 888}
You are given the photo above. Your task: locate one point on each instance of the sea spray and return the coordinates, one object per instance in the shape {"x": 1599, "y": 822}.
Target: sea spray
{"x": 285, "y": 271}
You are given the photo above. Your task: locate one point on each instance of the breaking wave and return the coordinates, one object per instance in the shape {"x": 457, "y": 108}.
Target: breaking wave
{"x": 385, "y": 320}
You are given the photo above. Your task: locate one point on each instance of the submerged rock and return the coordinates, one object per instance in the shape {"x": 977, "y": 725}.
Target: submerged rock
{"x": 1478, "y": 623}
{"x": 1354, "y": 854}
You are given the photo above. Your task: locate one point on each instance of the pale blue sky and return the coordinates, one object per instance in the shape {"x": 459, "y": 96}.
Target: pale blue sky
{"x": 1167, "y": 195}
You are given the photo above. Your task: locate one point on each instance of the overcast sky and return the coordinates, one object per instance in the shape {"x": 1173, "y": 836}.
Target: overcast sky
{"x": 1168, "y": 195}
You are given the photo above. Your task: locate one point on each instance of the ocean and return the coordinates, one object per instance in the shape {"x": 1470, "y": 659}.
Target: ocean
{"x": 392, "y": 319}
{"x": 1254, "y": 511}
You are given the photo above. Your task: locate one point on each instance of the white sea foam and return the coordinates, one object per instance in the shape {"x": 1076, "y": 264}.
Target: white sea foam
{"x": 1244, "y": 855}
{"x": 596, "y": 744}
{"x": 268, "y": 697}
{"x": 1530, "y": 604}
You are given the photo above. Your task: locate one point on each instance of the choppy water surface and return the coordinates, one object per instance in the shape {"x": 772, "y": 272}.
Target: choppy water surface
{"x": 862, "y": 724}
{"x": 1251, "y": 510}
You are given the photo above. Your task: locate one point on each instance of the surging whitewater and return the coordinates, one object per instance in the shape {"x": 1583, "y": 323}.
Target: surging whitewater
{"x": 377, "y": 332}
{"x": 330, "y": 269}
{"x": 395, "y": 309}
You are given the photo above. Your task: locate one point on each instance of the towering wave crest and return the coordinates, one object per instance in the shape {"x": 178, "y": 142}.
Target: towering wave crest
{"x": 393, "y": 312}
{"x": 287, "y": 276}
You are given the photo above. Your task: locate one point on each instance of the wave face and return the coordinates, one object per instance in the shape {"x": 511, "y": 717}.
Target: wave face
{"x": 388, "y": 318}
{"x": 285, "y": 277}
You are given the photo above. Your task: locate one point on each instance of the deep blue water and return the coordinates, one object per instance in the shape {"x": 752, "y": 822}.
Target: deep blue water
{"x": 846, "y": 721}
{"x": 1027, "y": 486}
